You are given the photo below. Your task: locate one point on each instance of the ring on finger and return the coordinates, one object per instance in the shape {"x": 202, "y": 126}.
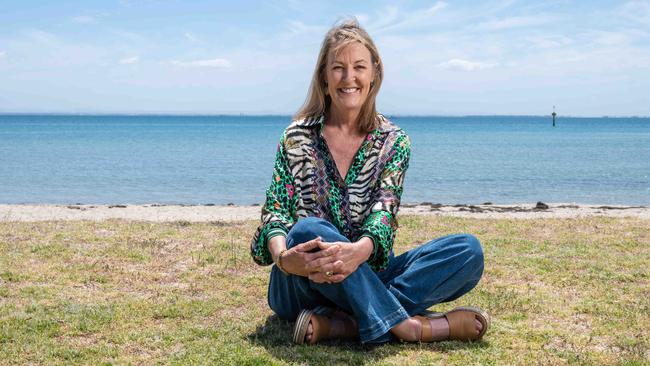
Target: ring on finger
{"x": 328, "y": 274}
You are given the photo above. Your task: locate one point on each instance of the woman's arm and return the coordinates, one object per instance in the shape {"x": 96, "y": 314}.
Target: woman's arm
{"x": 278, "y": 211}
{"x": 278, "y": 215}
{"x": 381, "y": 223}
{"x": 276, "y": 245}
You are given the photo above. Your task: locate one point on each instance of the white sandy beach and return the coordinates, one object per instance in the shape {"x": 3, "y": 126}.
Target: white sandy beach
{"x": 205, "y": 213}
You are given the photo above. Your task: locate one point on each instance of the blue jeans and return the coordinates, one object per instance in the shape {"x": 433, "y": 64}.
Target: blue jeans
{"x": 438, "y": 271}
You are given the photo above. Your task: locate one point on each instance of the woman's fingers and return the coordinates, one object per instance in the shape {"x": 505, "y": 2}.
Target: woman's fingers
{"x": 337, "y": 278}
{"x": 326, "y": 250}
{"x": 330, "y": 272}
{"x": 333, "y": 268}
{"x": 321, "y": 259}
{"x": 309, "y": 245}
{"x": 320, "y": 277}
{"x": 338, "y": 271}
{"x": 318, "y": 264}
{"x": 330, "y": 251}
{"x": 317, "y": 277}
{"x": 324, "y": 245}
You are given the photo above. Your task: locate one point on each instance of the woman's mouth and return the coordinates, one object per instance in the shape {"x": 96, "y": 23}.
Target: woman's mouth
{"x": 349, "y": 90}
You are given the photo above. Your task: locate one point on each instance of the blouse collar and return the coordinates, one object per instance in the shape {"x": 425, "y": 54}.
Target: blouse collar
{"x": 385, "y": 126}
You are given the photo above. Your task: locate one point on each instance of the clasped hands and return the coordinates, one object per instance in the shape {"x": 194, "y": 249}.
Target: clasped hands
{"x": 324, "y": 262}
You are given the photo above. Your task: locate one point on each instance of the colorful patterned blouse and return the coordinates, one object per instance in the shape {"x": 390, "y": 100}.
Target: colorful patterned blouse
{"x": 307, "y": 183}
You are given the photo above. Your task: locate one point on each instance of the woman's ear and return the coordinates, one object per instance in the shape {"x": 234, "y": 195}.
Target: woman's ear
{"x": 375, "y": 73}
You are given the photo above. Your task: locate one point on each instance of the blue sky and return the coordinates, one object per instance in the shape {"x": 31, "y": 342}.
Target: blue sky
{"x": 589, "y": 58}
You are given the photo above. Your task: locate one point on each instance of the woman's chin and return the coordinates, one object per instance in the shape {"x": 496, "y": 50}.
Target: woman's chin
{"x": 347, "y": 107}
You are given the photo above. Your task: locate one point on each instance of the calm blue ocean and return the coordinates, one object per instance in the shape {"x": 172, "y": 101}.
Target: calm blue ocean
{"x": 223, "y": 159}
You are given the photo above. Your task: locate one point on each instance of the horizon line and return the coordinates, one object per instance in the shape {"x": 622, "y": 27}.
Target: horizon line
{"x": 234, "y": 114}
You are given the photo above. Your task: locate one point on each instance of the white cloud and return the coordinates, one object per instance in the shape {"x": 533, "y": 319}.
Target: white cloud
{"x": 296, "y": 4}
{"x": 391, "y": 19}
{"x": 363, "y": 19}
{"x": 298, "y": 27}
{"x": 600, "y": 39}
{"x": 384, "y": 18}
{"x": 549, "y": 41}
{"x": 128, "y": 36}
{"x": 610, "y": 38}
{"x": 84, "y": 19}
{"x": 42, "y": 37}
{"x": 46, "y": 51}
{"x": 216, "y": 62}
{"x": 568, "y": 47}
{"x": 503, "y": 5}
{"x": 130, "y": 60}
{"x": 192, "y": 38}
{"x": 512, "y": 22}
{"x": 638, "y": 11}
{"x": 436, "y": 7}
{"x": 465, "y": 65}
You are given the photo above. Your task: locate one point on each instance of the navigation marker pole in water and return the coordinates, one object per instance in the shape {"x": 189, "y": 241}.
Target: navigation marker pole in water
{"x": 553, "y": 114}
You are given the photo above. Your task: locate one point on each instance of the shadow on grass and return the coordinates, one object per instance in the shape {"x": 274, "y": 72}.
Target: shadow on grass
{"x": 275, "y": 337}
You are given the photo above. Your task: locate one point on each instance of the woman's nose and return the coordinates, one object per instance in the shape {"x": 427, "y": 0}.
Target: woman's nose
{"x": 348, "y": 73}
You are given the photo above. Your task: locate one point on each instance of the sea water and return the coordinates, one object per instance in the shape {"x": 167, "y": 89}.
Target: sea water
{"x": 110, "y": 159}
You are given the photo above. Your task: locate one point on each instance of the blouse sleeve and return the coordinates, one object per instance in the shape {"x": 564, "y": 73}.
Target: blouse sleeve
{"x": 278, "y": 211}
{"x": 381, "y": 223}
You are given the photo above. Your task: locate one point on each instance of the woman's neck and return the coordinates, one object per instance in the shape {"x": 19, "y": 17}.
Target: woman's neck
{"x": 346, "y": 121}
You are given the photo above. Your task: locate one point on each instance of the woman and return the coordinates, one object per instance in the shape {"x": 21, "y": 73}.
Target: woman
{"x": 330, "y": 217}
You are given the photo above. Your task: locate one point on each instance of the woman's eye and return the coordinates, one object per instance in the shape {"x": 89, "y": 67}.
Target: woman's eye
{"x": 360, "y": 67}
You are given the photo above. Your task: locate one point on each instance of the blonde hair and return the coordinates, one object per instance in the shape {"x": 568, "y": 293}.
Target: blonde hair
{"x": 318, "y": 102}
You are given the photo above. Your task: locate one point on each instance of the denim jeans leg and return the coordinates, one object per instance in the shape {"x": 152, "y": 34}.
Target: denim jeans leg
{"x": 439, "y": 271}
{"x": 290, "y": 294}
{"x": 361, "y": 294}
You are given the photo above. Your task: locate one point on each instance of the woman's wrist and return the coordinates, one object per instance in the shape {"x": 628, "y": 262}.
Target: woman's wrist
{"x": 365, "y": 247}
{"x": 278, "y": 262}
{"x": 276, "y": 245}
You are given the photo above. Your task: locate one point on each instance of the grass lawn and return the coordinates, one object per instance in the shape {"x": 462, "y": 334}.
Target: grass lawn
{"x": 119, "y": 292}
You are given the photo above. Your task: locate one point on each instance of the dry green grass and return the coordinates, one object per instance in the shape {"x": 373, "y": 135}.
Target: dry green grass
{"x": 117, "y": 292}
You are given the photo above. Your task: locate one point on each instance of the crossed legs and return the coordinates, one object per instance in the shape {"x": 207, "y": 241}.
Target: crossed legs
{"x": 384, "y": 302}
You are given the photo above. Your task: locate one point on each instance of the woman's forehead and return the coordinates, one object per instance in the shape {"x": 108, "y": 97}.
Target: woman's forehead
{"x": 357, "y": 49}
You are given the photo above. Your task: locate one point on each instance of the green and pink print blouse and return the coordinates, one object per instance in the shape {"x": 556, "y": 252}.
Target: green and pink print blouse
{"x": 307, "y": 183}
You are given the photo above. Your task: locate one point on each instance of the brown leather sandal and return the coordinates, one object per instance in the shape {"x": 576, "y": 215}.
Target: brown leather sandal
{"x": 320, "y": 325}
{"x": 461, "y": 323}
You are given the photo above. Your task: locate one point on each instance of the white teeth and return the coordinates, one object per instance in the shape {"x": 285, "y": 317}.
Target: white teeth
{"x": 349, "y": 90}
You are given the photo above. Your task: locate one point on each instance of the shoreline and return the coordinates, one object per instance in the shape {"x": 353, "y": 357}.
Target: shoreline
{"x": 231, "y": 213}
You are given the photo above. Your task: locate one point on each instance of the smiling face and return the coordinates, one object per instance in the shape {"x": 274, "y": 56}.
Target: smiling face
{"x": 349, "y": 75}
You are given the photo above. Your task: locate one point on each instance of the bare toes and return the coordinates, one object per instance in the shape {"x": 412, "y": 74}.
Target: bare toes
{"x": 309, "y": 333}
{"x": 479, "y": 326}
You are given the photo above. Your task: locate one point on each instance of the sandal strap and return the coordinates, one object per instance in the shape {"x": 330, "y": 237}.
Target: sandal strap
{"x": 320, "y": 326}
{"x": 350, "y": 329}
{"x": 462, "y": 326}
{"x": 427, "y": 333}
{"x": 300, "y": 328}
